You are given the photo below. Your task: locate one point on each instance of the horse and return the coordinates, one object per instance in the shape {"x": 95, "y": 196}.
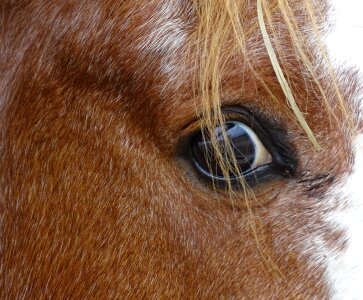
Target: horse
{"x": 181, "y": 149}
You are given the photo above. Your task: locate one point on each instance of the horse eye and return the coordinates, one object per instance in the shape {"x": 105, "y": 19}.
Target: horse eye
{"x": 249, "y": 151}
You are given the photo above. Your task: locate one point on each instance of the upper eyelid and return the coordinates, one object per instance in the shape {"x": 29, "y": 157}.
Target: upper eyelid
{"x": 191, "y": 128}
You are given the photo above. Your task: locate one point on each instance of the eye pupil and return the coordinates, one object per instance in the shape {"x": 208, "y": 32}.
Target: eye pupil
{"x": 241, "y": 142}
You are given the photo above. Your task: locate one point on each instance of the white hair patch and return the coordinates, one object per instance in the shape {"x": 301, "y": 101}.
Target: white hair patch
{"x": 345, "y": 267}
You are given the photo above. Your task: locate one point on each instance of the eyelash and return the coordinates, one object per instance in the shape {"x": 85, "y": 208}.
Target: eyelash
{"x": 283, "y": 162}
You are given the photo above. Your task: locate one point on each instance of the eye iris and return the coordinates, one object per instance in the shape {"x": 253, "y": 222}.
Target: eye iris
{"x": 241, "y": 142}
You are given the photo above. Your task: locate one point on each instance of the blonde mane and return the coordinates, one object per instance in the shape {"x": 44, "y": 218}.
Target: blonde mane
{"x": 222, "y": 33}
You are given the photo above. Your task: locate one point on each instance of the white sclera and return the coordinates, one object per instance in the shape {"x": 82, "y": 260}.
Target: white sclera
{"x": 262, "y": 156}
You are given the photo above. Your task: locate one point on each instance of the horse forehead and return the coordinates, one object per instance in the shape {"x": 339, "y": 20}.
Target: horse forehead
{"x": 156, "y": 36}
{"x": 165, "y": 26}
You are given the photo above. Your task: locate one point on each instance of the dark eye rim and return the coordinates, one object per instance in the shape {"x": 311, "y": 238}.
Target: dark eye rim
{"x": 284, "y": 163}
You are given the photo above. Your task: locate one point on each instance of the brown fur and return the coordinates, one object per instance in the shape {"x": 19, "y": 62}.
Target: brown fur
{"x": 94, "y": 202}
